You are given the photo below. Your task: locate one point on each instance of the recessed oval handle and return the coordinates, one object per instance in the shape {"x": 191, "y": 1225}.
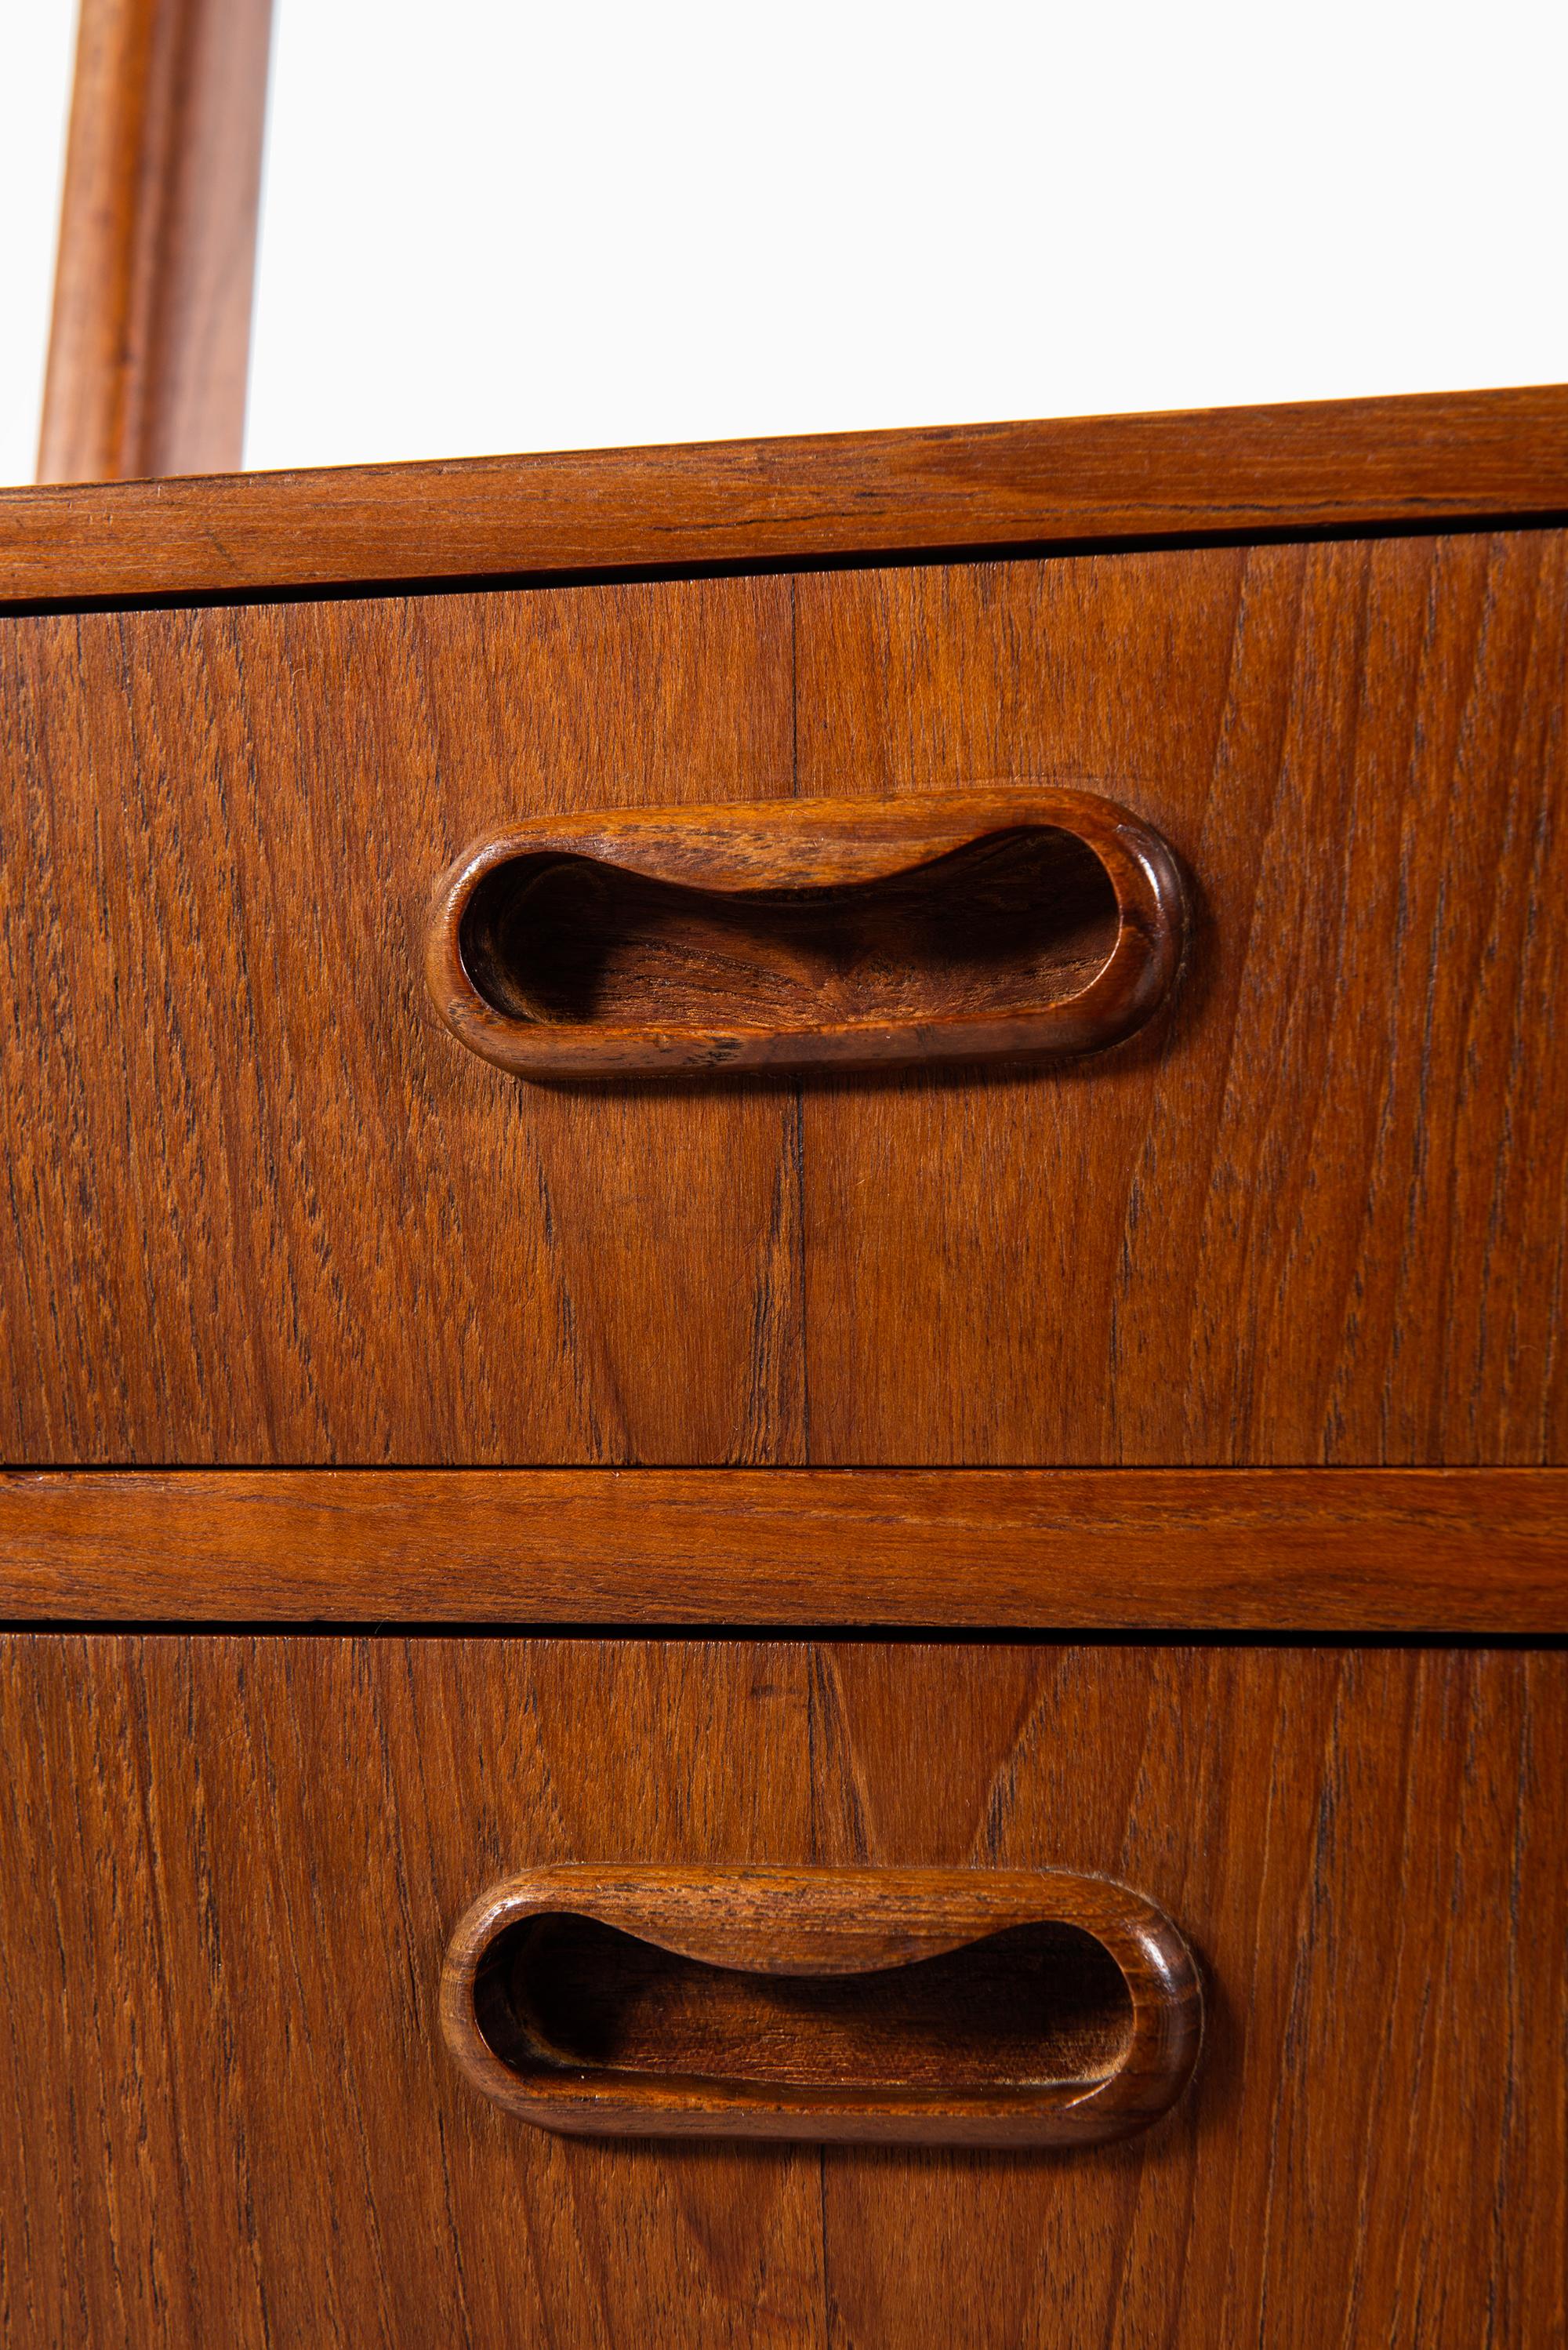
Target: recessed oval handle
{"x": 792, "y": 934}
{"x": 918, "y": 2006}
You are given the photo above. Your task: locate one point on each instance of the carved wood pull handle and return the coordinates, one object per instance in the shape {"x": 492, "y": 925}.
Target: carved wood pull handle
{"x": 926, "y": 2006}
{"x": 794, "y": 934}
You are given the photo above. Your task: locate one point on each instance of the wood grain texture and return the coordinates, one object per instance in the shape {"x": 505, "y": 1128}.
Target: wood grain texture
{"x": 1319, "y": 1214}
{"x": 1463, "y": 1550}
{"x": 232, "y": 1865}
{"x": 884, "y": 2054}
{"x": 805, "y": 934}
{"x": 265, "y": 1206}
{"x": 150, "y": 340}
{"x": 261, "y": 1208}
{"x": 1326, "y": 465}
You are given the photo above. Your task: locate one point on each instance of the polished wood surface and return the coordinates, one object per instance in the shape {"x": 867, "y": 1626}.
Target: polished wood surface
{"x": 1320, "y": 1217}
{"x": 1458, "y": 1551}
{"x": 313, "y": 1196}
{"x": 915, "y": 2007}
{"x": 1331, "y": 465}
{"x": 232, "y": 1866}
{"x": 797, "y": 934}
{"x": 150, "y": 340}
{"x": 263, "y": 1208}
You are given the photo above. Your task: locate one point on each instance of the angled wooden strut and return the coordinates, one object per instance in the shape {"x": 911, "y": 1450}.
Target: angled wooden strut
{"x": 151, "y": 338}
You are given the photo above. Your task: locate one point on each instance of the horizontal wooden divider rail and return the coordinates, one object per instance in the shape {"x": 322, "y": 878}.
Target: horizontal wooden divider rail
{"x": 1298, "y": 469}
{"x": 1332, "y": 1551}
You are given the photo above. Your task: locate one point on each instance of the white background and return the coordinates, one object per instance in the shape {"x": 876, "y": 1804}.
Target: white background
{"x": 38, "y": 39}
{"x": 494, "y": 226}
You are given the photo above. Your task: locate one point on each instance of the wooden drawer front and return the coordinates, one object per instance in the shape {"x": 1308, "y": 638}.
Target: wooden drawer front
{"x": 231, "y": 1863}
{"x": 263, "y": 1208}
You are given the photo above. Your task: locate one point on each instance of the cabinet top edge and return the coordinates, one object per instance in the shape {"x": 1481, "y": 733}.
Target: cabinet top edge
{"x": 1311, "y": 468}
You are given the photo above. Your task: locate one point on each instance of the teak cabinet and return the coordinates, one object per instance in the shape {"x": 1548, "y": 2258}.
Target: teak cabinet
{"x": 939, "y": 1647}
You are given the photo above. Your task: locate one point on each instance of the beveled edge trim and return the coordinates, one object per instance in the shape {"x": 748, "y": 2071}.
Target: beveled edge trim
{"x": 829, "y": 1920}
{"x": 1295, "y": 469}
{"x": 1340, "y": 1551}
